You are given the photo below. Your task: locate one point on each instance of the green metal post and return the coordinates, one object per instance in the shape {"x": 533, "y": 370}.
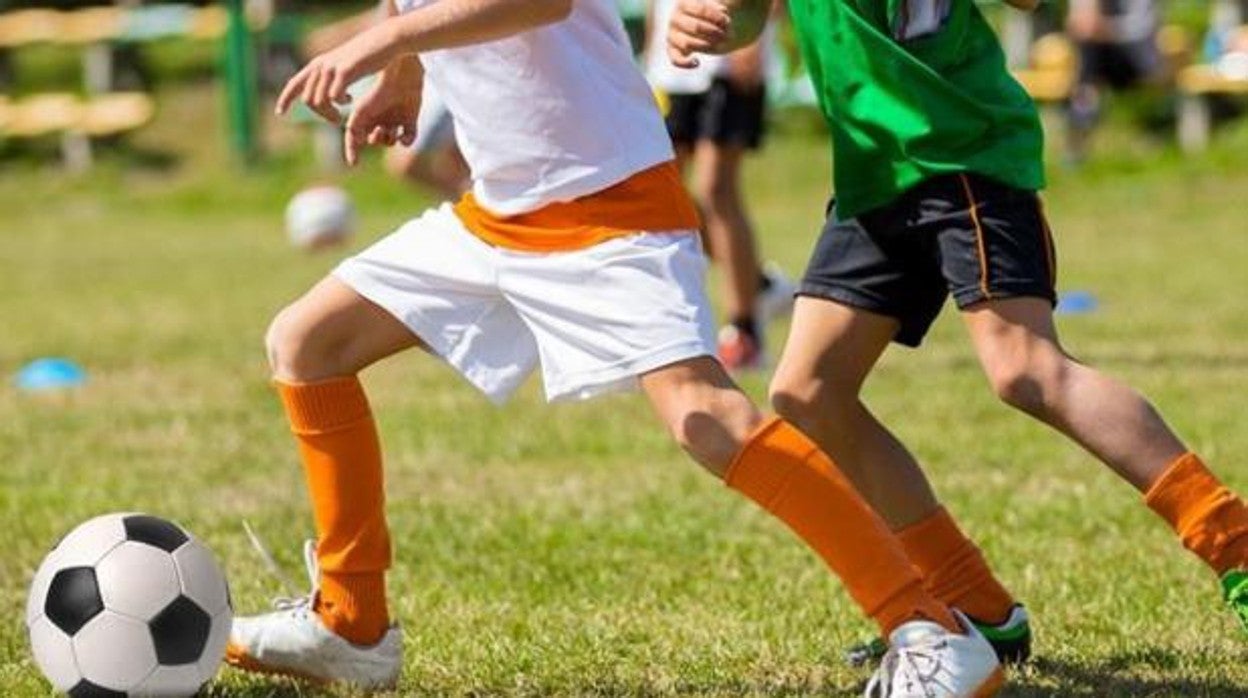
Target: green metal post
{"x": 240, "y": 82}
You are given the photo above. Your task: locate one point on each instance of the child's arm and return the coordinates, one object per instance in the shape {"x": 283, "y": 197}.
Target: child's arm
{"x": 323, "y": 82}
{"x": 462, "y": 22}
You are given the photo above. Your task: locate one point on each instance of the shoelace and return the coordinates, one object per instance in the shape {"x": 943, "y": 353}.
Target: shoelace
{"x": 293, "y": 601}
{"x": 905, "y": 666}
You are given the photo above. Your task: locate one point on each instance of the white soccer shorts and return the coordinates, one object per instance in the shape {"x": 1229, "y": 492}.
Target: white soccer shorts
{"x": 593, "y": 319}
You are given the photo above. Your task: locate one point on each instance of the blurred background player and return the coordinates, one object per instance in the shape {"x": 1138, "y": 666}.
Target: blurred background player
{"x": 1117, "y": 45}
{"x": 716, "y": 113}
{"x": 433, "y": 161}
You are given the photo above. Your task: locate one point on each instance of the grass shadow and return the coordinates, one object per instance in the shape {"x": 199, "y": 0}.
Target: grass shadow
{"x": 258, "y": 692}
{"x": 1115, "y": 678}
{"x": 268, "y": 688}
{"x": 1119, "y": 676}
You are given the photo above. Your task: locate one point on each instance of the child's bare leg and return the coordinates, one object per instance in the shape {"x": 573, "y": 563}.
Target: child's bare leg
{"x": 1028, "y": 369}
{"x": 774, "y": 464}
{"x": 316, "y": 346}
{"x": 332, "y": 332}
{"x": 830, "y": 351}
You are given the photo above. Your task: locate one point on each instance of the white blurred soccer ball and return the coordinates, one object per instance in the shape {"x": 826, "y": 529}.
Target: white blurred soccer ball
{"x": 319, "y": 216}
{"x": 128, "y": 605}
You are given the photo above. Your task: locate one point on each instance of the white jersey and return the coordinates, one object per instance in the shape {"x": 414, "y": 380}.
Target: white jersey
{"x": 686, "y": 81}
{"x": 551, "y": 114}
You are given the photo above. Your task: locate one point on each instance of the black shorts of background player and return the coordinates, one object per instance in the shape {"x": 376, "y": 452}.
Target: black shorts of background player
{"x": 1117, "y": 45}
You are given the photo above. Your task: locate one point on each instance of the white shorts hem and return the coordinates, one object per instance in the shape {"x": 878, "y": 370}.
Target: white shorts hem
{"x": 624, "y": 375}
{"x": 429, "y": 335}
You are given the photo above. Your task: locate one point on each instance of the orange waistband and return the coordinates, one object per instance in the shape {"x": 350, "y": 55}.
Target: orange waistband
{"x": 651, "y": 200}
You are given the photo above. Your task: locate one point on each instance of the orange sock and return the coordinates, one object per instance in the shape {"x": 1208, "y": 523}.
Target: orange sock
{"x": 953, "y": 568}
{"x": 342, "y": 463}
{"x": 786, "y": 473}
{"x": 1211, "y": 520}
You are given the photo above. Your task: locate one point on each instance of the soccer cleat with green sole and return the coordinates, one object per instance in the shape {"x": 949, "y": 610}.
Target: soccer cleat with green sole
{"x": 1010, "y": 639}
{"x": 1235, "y": 591}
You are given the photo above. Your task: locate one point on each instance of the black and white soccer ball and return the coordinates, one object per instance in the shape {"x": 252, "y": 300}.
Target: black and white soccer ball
{"x": 128, "y": 605}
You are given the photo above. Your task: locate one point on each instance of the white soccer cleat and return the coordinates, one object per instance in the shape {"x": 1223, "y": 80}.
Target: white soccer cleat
{"x": 925, "y": 660}
{"x": 294, "y": 641}
{"x": 777, "y": 299}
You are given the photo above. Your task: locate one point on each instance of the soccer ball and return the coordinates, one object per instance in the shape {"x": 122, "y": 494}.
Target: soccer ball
{"x": 319, "y": 216}
{"x": 128, "y": 605}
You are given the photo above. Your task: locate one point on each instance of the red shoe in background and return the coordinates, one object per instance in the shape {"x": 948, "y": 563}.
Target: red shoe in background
{"x": 738, "y": 351}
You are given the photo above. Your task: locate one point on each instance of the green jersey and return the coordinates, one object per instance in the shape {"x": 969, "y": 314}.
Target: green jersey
{"x": 912, "y": 89}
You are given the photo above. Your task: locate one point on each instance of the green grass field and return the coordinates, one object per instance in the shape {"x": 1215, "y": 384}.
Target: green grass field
{"x": 571, "y": 550}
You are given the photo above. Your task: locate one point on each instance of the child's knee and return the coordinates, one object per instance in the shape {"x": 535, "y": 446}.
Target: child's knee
{"x": 714, "y": 432}
{"x": 811, "y": 402}
{"x": 792, "y": 400}
{"x": 1031, "y": 382}
{"x": 299, "y": 347}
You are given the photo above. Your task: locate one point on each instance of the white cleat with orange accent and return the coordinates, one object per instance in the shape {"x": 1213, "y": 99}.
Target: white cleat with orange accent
{"x": 925, "y": 660}
{"x": 295, "y": 642}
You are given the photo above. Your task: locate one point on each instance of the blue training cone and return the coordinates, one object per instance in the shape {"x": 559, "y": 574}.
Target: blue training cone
{"x": 1076, "y": 303}
{"x": 49, "y": 374}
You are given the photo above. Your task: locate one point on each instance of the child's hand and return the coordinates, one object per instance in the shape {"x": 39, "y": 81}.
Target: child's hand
{"x": 387, "y": 114}
{"x": 697, "y": 26}
{"x": 322, "y": 84}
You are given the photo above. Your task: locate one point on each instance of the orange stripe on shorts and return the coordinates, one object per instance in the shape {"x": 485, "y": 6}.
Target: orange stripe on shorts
{"x": 973, "y": 207}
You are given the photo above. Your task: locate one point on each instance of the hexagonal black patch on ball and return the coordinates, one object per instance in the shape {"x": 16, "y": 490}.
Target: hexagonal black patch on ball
{"x": 180, "y": 632}
{"x": 86, "y": 689}
{"x": 155, "y": 532}
{"x": 73, "y": 599}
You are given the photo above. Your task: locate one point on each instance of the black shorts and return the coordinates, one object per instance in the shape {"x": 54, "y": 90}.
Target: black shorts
{"x": 1119, "y": 65}
{"x": 723, "y": 115}
{"x": 959, "y": 234}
